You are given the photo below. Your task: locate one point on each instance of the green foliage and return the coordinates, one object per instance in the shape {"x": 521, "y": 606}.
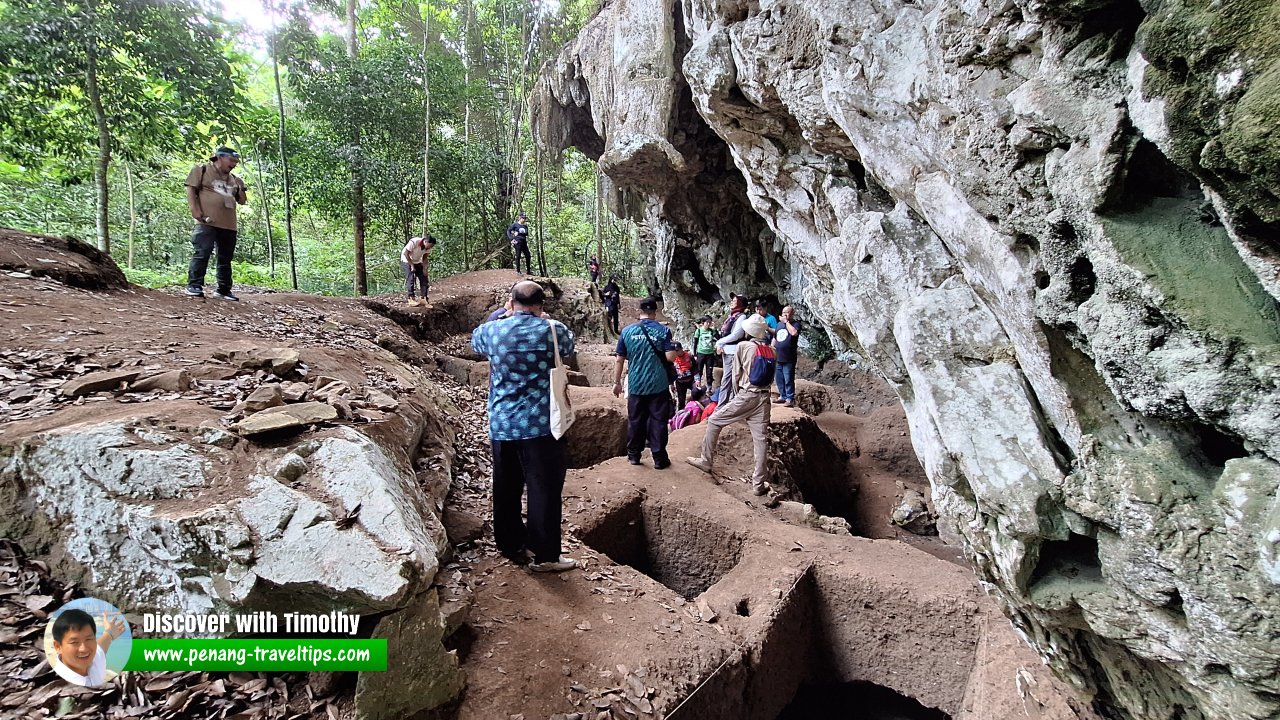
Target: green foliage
{"x": 167, "y": 277}
{"x": 164, "y": 71}
{"x": 177, "y": 80}
{"x": 817, "y": 344}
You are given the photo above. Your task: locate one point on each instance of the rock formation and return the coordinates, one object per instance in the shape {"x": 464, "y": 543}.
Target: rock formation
{"x": 1052, "y": 227}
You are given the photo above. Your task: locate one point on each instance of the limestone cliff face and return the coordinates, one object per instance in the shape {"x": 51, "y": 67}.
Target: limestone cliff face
{"x": 1053, "y": 227}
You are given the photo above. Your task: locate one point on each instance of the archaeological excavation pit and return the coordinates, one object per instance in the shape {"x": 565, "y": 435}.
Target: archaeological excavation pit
{"x": 671, "y": 544}
{"x": 812, "y": 468}
{"x": 865, "y": 701}
{"x": 836, "y": 645}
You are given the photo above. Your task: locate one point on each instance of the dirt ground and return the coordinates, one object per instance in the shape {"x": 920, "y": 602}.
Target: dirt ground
{"x": 694, "y": 600}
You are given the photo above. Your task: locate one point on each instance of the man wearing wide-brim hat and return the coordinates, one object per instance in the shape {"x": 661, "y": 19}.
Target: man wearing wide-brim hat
{"x": 213, "y": 193}
{"x": 750, "y": 402}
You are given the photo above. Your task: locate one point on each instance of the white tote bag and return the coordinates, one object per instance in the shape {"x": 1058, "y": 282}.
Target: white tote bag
{"x": 561, "y": 408}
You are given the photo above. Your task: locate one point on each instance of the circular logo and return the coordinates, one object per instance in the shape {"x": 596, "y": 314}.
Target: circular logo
{"x": 87, "y": 642}
{"x": 783, "y": 334}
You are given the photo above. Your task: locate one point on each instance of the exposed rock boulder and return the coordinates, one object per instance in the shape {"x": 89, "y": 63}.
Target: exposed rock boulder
{"x": 1051, "y": 227}
{"x": 148, "y": 517}
{"x": 418, "y": 676}
{"x": 183, "y": 537}
{"x": 97, "y": 382}
{"x": 171, "y": 380}
{"x": 912, "y": 513}
{"x": 279, "y": 361}
{"x": 286, "y": 417}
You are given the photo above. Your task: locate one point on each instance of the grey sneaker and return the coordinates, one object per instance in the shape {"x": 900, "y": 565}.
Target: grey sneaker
{"x": 194, "y": 292}
{"x": 560, "y": 565}
{"x": 225, "y": 296}
{"x": 699, "y": 463}
{"x": 761, "y": 489}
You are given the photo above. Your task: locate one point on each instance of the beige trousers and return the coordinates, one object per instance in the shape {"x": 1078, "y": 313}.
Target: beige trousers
{"x": 750, "y": 405}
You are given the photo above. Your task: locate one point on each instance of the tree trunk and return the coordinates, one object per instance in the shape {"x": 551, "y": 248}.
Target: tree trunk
{"x": 104, "y": 134}
{"x": 466, "y": 118}
{"x": 266, "y": 214}
{"x": 537, "y": 211}
{"x": 426, "y": 119}
{"x": 284, "y": 155}
{"x": 599, "y": 209}
{"x": 133, "y": 211}
{"x": 357, "y": 162}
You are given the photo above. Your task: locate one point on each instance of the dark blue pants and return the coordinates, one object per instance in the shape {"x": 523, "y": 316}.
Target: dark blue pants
{"x": 204, "y": 240}
{"x": 538, "y": 464}
{"x": 786, "y": 377}
{"x": 647, "y": 417}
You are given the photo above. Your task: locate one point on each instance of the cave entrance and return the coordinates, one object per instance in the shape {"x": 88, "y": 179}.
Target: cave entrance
{"x": 855, "y": 700}
{"x": 680, "y": 549}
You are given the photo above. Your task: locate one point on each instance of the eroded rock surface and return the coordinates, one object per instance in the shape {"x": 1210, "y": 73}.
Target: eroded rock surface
{"x": 1052, "y": 227}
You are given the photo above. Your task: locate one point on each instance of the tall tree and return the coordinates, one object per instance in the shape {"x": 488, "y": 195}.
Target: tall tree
{"x": 357, "y": 164}
{"x": 83, "y": 78}
{"x": 284, "y": 153}
{"x": 426, "y": 121}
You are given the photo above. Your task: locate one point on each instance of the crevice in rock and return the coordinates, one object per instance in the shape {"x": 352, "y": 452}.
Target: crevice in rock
{"x": 1082, "y": 279}
{"x": 1216, "y": 446}
{"x": 1074, "y": 560}
{"x": 1120, "y": 20}
{"x": 1149, "y": 174}
{"x": 683, "y": 259}
{"x": 683, "y": 551}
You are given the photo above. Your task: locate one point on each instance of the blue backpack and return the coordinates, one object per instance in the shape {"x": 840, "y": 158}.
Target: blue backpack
{"x": 763, "y": 366}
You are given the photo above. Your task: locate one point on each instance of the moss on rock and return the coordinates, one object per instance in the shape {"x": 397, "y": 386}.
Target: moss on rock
{"x": 1217, "y": 66}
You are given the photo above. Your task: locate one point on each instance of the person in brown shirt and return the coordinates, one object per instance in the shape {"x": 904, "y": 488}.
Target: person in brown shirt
{"x": 212, "y": 195}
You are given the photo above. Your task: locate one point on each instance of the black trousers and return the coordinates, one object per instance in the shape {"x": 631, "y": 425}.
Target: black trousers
{"x": 204, "y": 240}
{"x": 682, "y": 389}
{"x": 647, "y": 417}
{"x": 706, "y": 367}
{"x": 522, "y": 248}
{"x": 538, "y": 464}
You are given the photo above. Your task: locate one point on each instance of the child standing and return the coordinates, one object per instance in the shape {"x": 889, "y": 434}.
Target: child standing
{"x": 683, "y": 360}
{"x": 704, "y": 348}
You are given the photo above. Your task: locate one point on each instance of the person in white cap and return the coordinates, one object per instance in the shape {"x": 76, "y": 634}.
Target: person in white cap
{"x": 754, "y": 366}
{"x": 413, "y": 260}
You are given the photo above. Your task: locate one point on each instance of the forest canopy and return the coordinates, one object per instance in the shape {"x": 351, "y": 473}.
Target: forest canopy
{"x": 358, "y": 125}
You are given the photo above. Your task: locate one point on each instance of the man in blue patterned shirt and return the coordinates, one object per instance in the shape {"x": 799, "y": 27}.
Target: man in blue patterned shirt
{"x": 524, "y": 451}
{"x": 645, "y": 347}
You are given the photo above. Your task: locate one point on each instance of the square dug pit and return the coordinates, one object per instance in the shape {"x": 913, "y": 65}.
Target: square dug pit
{"x": 684, "y": 551}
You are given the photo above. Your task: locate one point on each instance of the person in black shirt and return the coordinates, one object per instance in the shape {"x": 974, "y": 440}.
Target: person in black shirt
{"x": 612, "y": 298}
{"x": 518, "y": 234}
{"x": 785, "y": 340}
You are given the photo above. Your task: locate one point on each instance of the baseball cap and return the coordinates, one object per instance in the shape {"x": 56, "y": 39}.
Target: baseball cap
{"x": 649, "y": 304}
{"x": 224, "y": 150}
